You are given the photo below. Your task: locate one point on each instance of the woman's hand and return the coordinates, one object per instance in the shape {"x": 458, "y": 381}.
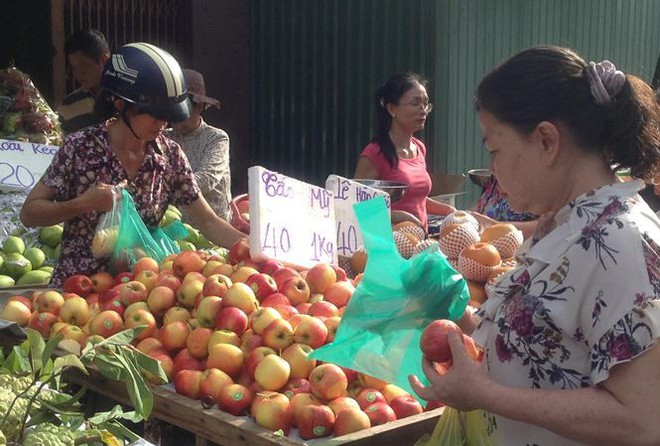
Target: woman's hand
{"x": 460, "y": 385}
{"x": 100, "y": 197}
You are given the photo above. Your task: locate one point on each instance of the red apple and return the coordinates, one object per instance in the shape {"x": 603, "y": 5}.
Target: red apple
{"x": 145, "y": 264}
{"x": 380, "y": 413}
{"x": 189, "y": 292}
{"x": 262, "y": 284}
{"x": 315, "y": 421}
{"x": 282, "y": 274}
{"x": 79, "y": 284}
{"x": 173, "y": 336}
{"x": 239, "y": 251}
{"x": 434, "y": 341}
{"x": 16, "y": 311}
{"x": 311, "y": 331}
{"x": 147, "y": 278}
{"x": 166, "y": 363}
{"x": 350, "y": 420}
{"x": 269, "y": 266}
{"x": 197, "y": 342}
{"x": 50, "y": 301}
{"x": 261, "y": 318}
{"x": 341, "y": 273}
{"x": 342, "y": 402}
{"x": 405, "y": 405}
{"x": 242, "y": 272}
{"x": 187, "y": 383}
{"x": 287, "y": 311}
{"x": 332, "y": 324}
{"x": 272, "y": 372}
{"x": 296, "y": 290}
{"x": 169, "y": 280}
{"x": 185, "y": 361}
{"x": 216, "y": 285}
{"x": 339, "y": 293}
{"x": 391, "y": 391}
{"x": 320, "y": 277}
{"x": 368, "y": 396}
{"x": 106, "y": 324}
{"x": 147, "y": 344}
{"x": 231, "y": 318}
{"x": 75, "y": 311}
{"x": 278, "y": 334}
{"x": 176, "y": 314}
{"x": 42, "y": 322}
{"x": 250, "y": 340}
{"x": 132, "y": 292}
{"x": 225, "y": 337}
{"x": 114, "y": 305}
{"x": 323, "y": 309}
{"x": 272, "y": 411}
{"x": 328, "y": 381}
{"x": 255, "y": 356}
{"x": 295, "y": 386}
{"x": 101, "y": 281}
{"x": 226, "y": 357}
{"x": 213, "y": 381}
{"x": 275, "y": 299}
{"x": 123, "y": 277}
{"x": 207, "y": 311}
{"x": 241, "y": 296}
{"x": 234, "y": 399}
{"x": 187, "y": 261}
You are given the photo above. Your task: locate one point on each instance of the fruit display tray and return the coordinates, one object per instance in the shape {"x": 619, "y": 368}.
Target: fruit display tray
{"x": 213, "y": 426}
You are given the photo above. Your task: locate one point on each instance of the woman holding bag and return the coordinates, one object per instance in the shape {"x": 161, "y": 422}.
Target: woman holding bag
{"x": 571, "y": 336}
{"x": 142, "y": 89}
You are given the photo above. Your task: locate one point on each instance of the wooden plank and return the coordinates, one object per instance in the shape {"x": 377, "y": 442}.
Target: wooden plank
{"x": 228, "y": 430}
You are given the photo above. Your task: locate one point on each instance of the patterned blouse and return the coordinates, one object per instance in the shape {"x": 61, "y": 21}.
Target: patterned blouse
{"x": 585, "y": 299}
{"x": 492, "y": 204}
{"x": 86, "y": 159}
{"x": 207, "y": 150}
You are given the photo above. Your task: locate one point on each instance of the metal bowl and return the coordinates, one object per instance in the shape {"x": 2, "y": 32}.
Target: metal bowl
{"x": 395, "y": 189}
{"x": 480, "y": 177}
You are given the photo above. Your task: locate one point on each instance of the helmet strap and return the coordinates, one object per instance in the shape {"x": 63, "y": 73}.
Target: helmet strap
{"x": 124, "y": 118}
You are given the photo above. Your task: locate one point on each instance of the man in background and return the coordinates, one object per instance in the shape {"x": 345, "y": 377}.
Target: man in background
{"x": 87, "y": 51}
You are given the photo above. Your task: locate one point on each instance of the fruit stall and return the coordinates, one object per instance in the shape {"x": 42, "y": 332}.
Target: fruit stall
{"x": 289, "y": 337}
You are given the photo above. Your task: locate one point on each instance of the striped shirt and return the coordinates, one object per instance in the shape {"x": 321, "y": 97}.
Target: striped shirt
{"x": 77, "y": 110}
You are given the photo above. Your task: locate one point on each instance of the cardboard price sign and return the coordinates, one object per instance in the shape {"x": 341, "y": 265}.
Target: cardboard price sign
{"x": 23, "y": 163}
{"x": 347, "y": 193}
{"x": 290, "y": 220}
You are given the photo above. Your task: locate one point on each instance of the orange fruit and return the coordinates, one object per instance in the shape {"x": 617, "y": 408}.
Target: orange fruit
{"x": 358, "y": 261}
{"x": 482, "y": 253}
{"x": 477, "y": 291}
{"x": 498, "y": 230}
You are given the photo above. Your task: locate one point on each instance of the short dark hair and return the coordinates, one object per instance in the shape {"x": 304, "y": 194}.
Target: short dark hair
{"x": 90, "y": 42}
{"x": 390, "y": 93}
{"x": 549, "y": 83}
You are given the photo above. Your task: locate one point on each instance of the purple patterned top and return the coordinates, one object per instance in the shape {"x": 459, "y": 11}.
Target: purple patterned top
{"x": 86, "y": 159}
{"x": 585, "y": 298}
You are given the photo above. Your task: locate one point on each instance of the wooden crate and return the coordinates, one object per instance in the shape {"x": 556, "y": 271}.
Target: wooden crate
{"x": 227, "y": 430}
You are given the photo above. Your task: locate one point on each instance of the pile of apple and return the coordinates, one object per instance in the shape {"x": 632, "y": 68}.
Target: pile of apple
{"x": 229, "y": 332}
{"x": 481, "y": 255}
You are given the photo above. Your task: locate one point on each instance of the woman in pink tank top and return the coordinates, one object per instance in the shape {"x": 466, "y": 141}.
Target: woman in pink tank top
{"x": 402, "y": 106}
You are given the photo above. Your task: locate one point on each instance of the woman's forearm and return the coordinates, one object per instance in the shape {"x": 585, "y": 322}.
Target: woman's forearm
{"x": 591, "y": 415}
{"x": 45, "y": 212}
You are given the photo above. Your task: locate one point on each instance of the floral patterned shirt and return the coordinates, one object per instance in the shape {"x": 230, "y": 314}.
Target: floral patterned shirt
{"x": 86, "y": 159}
{"x": 585, "y": 299}
{"x": 493, "y": 204}
{"x": 207, "y": 150}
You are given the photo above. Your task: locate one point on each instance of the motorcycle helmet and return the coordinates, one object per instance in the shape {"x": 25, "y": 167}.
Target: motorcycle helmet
{"x": 149, "y": 77}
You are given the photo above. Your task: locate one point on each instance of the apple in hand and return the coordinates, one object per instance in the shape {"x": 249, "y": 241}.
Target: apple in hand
{"x": 315, "y": 421}
{"x": 434, "y": 341}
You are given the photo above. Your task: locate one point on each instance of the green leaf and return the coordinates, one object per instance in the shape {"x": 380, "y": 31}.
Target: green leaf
{"x": 122, "y": 338}
{"x": 138, "y": 391}
{"x": 59, "y": 409}
{"x": 18, "y": 361}
{"x": 148, "y": 364}
{"x": 36, "y": 346}
{"x": 113, "y": 414}
{"x": 119, "y": 430}
{"x": 109, "y": 366}
{"x": 68, "y": 361}
{"x": 50, "y": 347}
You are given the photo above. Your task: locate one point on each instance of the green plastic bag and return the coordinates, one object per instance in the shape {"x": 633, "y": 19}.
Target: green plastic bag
{"x": 134, "y": 240}
{"x": 393, "y": 303}
{"x": 165, "y": 237}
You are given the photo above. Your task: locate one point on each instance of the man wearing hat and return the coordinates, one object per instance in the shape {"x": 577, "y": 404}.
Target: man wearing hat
{"x": 206, "y": 147}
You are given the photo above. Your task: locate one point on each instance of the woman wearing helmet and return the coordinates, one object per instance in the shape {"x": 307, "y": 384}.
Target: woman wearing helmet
{"x": 142, "y": 89}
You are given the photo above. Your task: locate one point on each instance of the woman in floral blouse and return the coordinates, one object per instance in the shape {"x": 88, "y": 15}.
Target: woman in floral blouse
{"x": 142, "y": 88}
{"x": 571, "y": 336}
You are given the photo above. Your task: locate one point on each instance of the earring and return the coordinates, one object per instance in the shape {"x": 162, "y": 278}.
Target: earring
{"x": 394, "y": 115}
